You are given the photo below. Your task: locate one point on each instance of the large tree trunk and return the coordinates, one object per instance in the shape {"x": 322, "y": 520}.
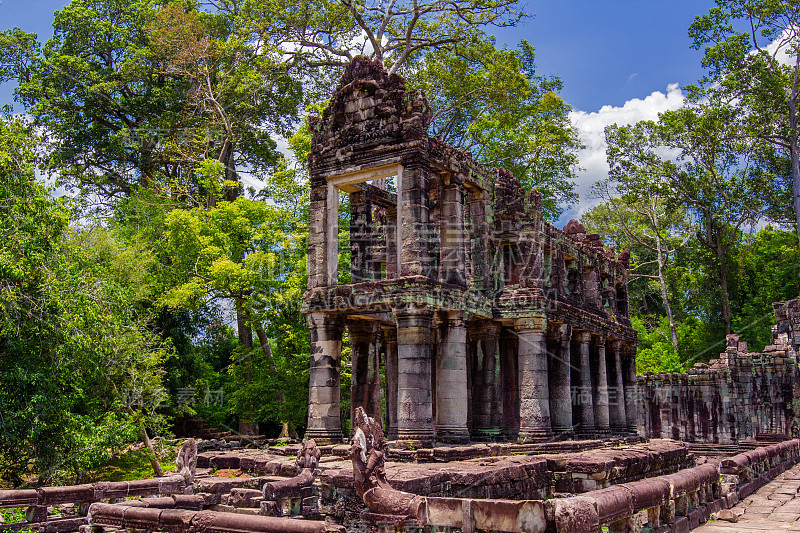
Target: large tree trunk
{"x": 231, "y": 193}
{"x": 794, "y": 152}
{"x": 245, "y": 340}
{"x": 723, "y": 285}
{"x": 243, "y": 328}
{"x": 267, "y": 349}
{"x": 664, "y": 294}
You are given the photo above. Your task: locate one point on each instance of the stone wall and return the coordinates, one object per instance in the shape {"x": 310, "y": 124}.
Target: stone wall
{"x": 740, "y": 396}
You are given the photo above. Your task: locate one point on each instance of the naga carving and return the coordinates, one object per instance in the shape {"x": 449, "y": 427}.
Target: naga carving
{"x": 186, "y": 461}
{"x": 368, "y": 453}
{"x": 299, "y": 486}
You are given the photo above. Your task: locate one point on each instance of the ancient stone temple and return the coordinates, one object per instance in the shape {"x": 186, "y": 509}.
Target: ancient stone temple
{"x": 487, "y": 321}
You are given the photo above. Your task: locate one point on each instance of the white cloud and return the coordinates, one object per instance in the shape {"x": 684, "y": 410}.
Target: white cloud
{"x": 782, "y": 48}
{"x": 591, "y": 130}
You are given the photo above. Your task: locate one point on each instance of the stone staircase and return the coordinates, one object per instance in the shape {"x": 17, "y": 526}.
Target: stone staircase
{"x": 199, "y": 428}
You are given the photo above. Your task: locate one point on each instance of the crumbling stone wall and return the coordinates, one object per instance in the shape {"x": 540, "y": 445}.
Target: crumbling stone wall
{"x": 734, "y": 398}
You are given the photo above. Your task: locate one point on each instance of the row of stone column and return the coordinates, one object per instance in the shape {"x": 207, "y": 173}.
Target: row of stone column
{"x": 527, "y": 381}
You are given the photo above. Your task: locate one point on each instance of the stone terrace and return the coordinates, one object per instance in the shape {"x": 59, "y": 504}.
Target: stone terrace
{"x": 488, "y": 471}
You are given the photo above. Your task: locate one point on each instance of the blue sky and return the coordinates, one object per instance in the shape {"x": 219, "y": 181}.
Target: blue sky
{"x": 620, "y": 60}
{"x": 610, "y": 51}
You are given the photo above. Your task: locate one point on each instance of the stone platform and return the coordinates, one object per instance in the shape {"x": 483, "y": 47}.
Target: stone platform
{"x": 507, "y": 471}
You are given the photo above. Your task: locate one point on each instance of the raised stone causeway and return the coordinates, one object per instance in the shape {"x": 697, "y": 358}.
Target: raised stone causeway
{"x": 675, "y": 502}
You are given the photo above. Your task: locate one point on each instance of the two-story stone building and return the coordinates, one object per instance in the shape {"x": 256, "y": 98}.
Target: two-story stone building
{"x": 488, "y": 321}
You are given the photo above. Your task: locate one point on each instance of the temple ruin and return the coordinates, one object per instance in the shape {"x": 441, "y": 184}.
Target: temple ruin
{"x": 490, "y": 322}
{"x": 736, "y": 397}
{"x": 491, "y": 325}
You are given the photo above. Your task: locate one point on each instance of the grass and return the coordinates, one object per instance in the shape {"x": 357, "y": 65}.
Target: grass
{"x": 133, "y": 464}
{"x": 15, "y": 516}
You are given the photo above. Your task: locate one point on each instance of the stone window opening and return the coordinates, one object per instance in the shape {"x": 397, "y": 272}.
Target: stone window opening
{"x": 510, "y": 264}
{"x": 622, "y": 299}
{"x": 345, "y": 198}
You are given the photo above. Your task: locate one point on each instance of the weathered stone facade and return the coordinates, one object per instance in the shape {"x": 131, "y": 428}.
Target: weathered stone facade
{"x": 489, "y": 322}
{"x": 736, "y": 397}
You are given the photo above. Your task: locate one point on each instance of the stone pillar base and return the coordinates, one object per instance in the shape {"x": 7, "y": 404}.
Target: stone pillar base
{"x": 602, "y": 433}
{"x": 534, "y": 435}
{"x": 324, "y": 438}
{"x": 452, "y": 435}
{"x": 420, "y": 440}
{"x": 487, "y": 434}
{"x": 563, "y": 433}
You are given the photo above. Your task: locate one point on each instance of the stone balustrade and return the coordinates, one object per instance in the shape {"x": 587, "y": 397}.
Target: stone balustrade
{"x": 751, "y": 470}
{"x": 38, "y": 502}
{"x": 676, "y": 502}
{"x": 128, "y": 517}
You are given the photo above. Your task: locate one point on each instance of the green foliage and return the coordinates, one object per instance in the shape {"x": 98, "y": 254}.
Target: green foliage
{"x": 655, "y": 352}
{"x": 75, "y": 345}
{"x": 491, "y": 102}
{"x": 767, "y": 271}
{"x": 753, "y": 59}
{"x": 131, "y": 464}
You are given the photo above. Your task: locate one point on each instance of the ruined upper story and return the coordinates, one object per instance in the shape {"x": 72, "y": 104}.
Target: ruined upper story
{"x": 457, "y": 236}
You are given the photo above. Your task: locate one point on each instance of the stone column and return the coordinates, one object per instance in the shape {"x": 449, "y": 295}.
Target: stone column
{"x": 317, "y": 266}
{"x": 414, "y": 223}
{"x": 361, "y": 261}
{"x": 451, "y": 382}
{"x": 452, "y": 263}
{"x": 591, "y": 293}
{"x": 324, "y": 419}
{"x": 390, "y": 366}
{"x": 617, "y": 399}
{"x": 509, "y": 384}
{"x": 487, "y": 411}
{"x": 392, "y": 262}
{"x": 365, "y": 374}
{"x": 534, "y": 407}
{"x": 478, "y": 203}
{"x": 600, "y": 386}
{"x": 583, "y": 392}
{"x": 631, "y": 392}
{"x": 414, "y": 398}
{"x": 560, "y": 382}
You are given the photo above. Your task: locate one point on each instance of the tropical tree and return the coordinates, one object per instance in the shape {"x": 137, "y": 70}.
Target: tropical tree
{"x": 697, "y": 158}
{"x": 491, "y": 102}
{"x": 80, "y": 372}
{"x": 239, "y": 92}
{"x": 649, "y": 230}
{"x": 325, "y": 33}
{"x": 752, "y": 53}
{"x": 95, "y": 92}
